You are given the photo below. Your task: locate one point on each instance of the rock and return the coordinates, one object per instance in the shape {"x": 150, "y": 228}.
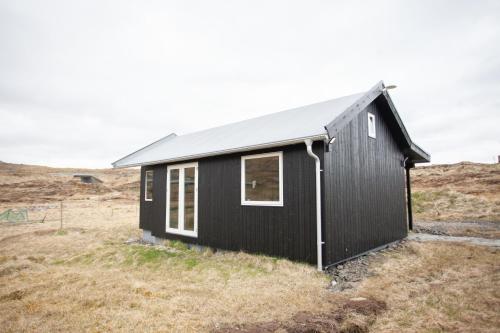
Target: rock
{"x": 347, "y": 285}
{"x": 131, "y": 241}
{"x": 334, "y": 283}
{"x": 357, "y": 299}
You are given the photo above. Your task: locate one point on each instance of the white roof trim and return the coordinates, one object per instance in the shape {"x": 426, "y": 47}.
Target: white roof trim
{"x": 322, "y": 137}
{"x": 165, "y": 138}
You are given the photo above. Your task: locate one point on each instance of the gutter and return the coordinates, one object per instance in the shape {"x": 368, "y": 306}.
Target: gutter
{"x": 320, "y": 243}
{"x": 221, "y": 152}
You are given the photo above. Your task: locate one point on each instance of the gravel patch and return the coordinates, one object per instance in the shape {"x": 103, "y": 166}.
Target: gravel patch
{"x": 473, "y": 240}
{"x": 481, "y": 229}
{"x": 349, "y": 274}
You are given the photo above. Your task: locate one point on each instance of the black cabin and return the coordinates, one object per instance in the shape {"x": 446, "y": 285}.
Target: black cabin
{"x": 321, "y": 183}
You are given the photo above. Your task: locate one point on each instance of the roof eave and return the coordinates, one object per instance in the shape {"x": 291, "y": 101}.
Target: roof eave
{"x": 419, "y": 155}
{"x": 115, "y": 164}
{"x": 319, "y": 137}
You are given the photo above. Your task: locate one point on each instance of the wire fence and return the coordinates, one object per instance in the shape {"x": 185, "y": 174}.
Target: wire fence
{"x": 70, "y": 211}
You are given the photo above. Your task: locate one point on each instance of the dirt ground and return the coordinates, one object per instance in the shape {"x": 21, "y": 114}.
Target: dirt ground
{"x": 93, "y": 276}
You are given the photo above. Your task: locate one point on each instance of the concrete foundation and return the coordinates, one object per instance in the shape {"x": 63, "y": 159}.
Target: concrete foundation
{"x": 148, "y": 237}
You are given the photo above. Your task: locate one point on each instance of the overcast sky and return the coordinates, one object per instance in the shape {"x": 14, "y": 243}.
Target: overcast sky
{"x": 83, "y": 83}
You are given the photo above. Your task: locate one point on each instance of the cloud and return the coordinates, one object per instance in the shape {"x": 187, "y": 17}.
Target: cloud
{"x": 84, "y": 83}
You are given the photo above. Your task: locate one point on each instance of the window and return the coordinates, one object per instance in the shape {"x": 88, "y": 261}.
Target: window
{"x": 148, "y": 192}
{"x": 371, "y": 125}
{"x": 262, "y": 179}
{"x": 182, "y": 199}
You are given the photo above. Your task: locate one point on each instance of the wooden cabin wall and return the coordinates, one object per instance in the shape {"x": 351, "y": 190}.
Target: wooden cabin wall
{"x": 364, "y": 198}
{"x": 288, "y": 231}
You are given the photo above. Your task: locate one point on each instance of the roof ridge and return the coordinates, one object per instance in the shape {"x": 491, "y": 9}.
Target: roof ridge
{"x": 270, "y": 114}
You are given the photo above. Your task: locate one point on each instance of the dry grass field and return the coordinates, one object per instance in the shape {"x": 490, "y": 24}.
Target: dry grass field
{"x": 457, "y": 192}
{"x": 89, "y": 277}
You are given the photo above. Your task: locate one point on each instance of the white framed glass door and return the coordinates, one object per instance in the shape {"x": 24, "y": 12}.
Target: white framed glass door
{"x": 182, "y": 199}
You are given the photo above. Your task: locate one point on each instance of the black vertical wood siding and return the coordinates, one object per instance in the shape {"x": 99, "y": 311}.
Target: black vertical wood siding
{"x": 364, "y": 199}
{"x": 151, "y": 210}
{"x": 288, "y": 231}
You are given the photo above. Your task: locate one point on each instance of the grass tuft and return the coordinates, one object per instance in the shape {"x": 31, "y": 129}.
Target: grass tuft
{"x": 61, "y": 232}
{"x": 191, "y": 262}
{"x": 146, "y": 255}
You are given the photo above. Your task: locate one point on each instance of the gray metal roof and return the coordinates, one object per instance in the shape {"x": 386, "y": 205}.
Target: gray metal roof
{"x": 318, "y": 121}
{"x": 269, "y": 130}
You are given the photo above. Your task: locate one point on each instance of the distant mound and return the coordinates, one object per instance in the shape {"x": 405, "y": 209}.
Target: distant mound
{"x": 37, "y": 184}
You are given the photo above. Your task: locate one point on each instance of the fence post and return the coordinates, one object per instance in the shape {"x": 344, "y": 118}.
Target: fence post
{"x": 61, "y": 226}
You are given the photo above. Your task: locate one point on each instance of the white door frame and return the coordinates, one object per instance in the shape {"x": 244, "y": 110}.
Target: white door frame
{"x": 180, "y": 225}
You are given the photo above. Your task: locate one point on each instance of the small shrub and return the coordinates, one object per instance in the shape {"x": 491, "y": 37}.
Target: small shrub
{"x": 191, "y": 262}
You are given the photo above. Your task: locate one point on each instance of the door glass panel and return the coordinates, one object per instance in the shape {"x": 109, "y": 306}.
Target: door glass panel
{"x": 174, "y": 199}
{"x": 189, "y": 199}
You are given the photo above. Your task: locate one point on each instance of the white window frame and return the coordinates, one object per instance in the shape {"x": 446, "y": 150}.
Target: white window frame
{"x": 146, "y": 185}
{"x": 180, "y": 213}
{"x": 262, "y": 203}
{"x": 372, "y": 131}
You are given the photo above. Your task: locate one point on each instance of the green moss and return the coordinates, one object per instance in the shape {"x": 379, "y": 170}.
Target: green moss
{"x": 191, "y": 262}
{"x": 142, "y": 255}
{"x": 176, "y": 256}
{"x": 178, "y": 245}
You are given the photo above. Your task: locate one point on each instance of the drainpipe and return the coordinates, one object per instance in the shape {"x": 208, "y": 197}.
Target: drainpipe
{"x": 408, "y": 196}
{"x": 308, "y": 143}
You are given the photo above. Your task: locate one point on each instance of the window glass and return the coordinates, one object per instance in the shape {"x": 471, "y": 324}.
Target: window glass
{"x": 371, "y": 125}
{"x": 262, "y": 179}
{"x": 149, "y": 185}
{"x": 174, "y": 199}
{"x": 189, "y": 182}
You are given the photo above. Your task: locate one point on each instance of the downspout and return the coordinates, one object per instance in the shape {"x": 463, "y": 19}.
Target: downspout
{"x": 308, "y": 143}
{"x": 408, "y": 196}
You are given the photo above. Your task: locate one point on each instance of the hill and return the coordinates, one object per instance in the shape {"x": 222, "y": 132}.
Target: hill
{"x": 452, "y": 192}
{"x": 37, "y": 184}
{"x": 457, "y": 192}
